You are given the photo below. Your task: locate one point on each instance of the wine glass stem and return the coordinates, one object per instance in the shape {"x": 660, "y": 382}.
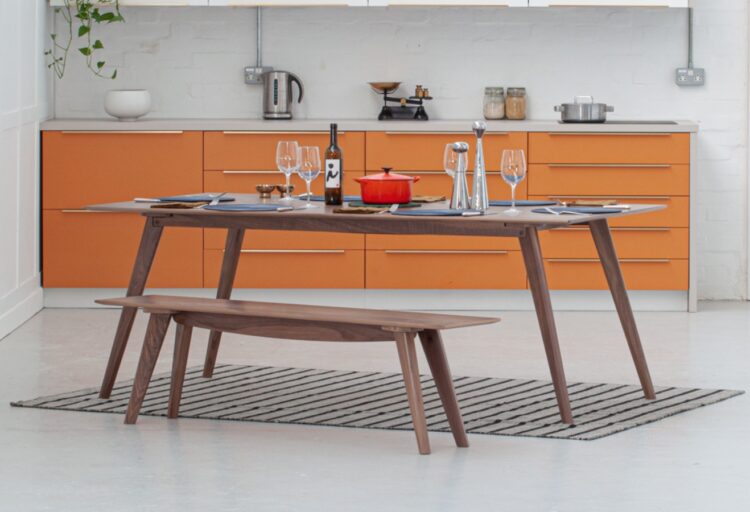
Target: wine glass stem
{"x": 309, "y": 193}
{"x": 288, "y": 192}
{"x": 513, "y": 196}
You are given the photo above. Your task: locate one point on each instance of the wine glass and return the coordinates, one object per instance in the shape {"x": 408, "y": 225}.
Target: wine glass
{"x": 287, "y": 160}
{"x": 309, "y": 168}
{"x": 450, "y": 160}
{"x": 513, "y": 171}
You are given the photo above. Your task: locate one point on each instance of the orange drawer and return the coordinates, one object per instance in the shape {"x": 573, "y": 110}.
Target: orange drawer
{"x": 675, "y": 215}
{"x": 257, "y": 151}
{"x": 87, "y": 168}
{"x": 97, "y": 250}
{"x": 629, "y": 242}
{"x": 406, "y": 151}
{"x": 441, "y": 242}
{"x": 293, "y": 269}
{"x": 606, "y": 148}
{"x": 641, "y": 179}
{"x": 587, "y": 274}
{"x": 266, "y": 239}
{"x": 445, "y": 269}
{"x": 438, "y": 183}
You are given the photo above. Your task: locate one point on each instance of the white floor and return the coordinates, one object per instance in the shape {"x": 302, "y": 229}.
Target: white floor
{"x": 77, "y": 462}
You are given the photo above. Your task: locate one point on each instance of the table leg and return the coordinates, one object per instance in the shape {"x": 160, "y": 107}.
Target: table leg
{"x": 608, "y": 256}
{"x": 157, "y": 329}
{"x": 532, "y": 256}
{"x": 141, "y": 269}
{"x": 226, "y": 282}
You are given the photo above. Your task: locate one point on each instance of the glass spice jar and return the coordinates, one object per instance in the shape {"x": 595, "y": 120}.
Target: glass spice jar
{"x": 515, "y": 103}
{"x": 494, "y": 103}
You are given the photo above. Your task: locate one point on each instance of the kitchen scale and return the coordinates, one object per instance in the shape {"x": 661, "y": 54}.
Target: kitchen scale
{"x": 409, "y": 109}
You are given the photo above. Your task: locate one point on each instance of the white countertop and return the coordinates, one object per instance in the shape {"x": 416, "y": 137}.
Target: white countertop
{"x": 314, "y": 125}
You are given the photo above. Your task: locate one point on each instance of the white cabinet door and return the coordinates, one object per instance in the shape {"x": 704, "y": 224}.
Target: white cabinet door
{"x": 286, "y": 3}
{"x": 610, "y": 3}
{"x": 468, "y": 3}
{"x": 154, "y": 3}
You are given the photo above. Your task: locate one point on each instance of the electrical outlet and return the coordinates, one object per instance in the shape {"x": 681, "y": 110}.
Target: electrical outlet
{"x": 691, "y": 77}
{"x": 254, "y": 74}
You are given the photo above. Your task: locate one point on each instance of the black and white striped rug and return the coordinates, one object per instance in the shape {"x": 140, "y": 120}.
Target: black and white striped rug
{"x": 377, "y": 400}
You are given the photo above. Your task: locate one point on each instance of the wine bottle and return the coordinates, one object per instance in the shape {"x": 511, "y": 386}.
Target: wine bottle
{"x": 334, "y": 170}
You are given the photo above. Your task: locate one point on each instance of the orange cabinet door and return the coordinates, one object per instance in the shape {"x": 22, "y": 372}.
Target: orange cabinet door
{"x": 256, "y": 151}
{"x": 675, "y": 215}
{"x": 97, "y": 250}
{"x": 442, "y": 242}
{"x": 291, "y": 269}
{"x": 593, "y": 179}
{"x": 606, "y": 148}
{"x": 406, "y": 151}
{"x": 460, "y": 270}
{"x": 630, "y": 243}
{"x": 83, "y": 168}
{"x": 587, "y": 274}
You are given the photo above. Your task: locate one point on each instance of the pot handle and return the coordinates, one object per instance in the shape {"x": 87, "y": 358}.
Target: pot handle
{"x": 358, "y": 180}
{"x": 416, "y": 178}
{"x": 610, "y": 108}
{"x": 558, "y": 108}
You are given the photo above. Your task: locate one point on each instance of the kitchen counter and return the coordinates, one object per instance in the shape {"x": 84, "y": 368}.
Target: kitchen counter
{"x": 259, "y": 125}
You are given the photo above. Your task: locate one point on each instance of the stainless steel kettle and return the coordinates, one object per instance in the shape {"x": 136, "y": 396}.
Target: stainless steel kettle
{"x": 277, "y": 94}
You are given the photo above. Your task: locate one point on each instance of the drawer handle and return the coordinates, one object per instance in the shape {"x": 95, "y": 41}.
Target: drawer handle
{"x": 443, "y": 133}
{"x": 126, "y": 132}
{"x": 584, "y": 228}
{"x": 313, "y": 132}
{"x": 611, "y": 166}
{"x": 443, "y": 252}
{"x": 251, "y": 172}
{"x": 605, "y": 134}
{"x": 292, "y": 251}
{"x": 80, "y": 210}
{"x": 594, "y": 260}
{"x": 645, "y": 198}
{"x": 443, "y": 173}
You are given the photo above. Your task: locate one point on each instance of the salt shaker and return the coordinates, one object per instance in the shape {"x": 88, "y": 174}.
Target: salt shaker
{"x": 479, "y": 198}
{"x": 460, "y": 195}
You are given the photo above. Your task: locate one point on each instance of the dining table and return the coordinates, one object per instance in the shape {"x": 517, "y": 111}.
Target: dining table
{"x": 495, "y": 222}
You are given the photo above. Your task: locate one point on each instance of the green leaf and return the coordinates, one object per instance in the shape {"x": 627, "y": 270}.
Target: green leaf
{"x": 83, "y": 30}
{"x": 85, "y": 50}
{"x": 100, "y": 64}
{"x": 98, "y": 45}
{"x": 107, "y": 16}
{"x": 114, "y": 75}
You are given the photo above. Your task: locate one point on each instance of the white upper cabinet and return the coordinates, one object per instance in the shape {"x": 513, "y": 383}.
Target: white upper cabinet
{"x": 608, "y": 3}
{"x": 153, "y": 3}
{"x": 286, "y": 3}
{"x": 468, "y": 3}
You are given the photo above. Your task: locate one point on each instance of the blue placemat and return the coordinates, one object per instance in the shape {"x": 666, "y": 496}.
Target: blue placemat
{"x": 430, "y": 213}
{"x": 523, "y": 202}
{"x": 303, "y": 197}
{"x": 243, "y": 207}
{"x": 194, "y": 198}
{"x": 579, "y": 209}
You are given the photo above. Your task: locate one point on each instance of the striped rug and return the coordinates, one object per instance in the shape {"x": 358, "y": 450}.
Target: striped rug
{"x": 306, "y": 396}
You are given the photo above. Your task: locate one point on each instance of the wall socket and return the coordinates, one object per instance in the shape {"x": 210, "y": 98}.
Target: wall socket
{"x": 690, "y": 77}
{"x": 254, "y": 74}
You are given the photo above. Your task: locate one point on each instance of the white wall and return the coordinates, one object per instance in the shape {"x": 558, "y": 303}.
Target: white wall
{"x": 192, "y": 60}
{"x": 24, "y": 96}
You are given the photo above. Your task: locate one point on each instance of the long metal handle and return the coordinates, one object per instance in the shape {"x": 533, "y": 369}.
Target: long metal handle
{"x": 442, "y": 133}
{"x": 611, "y": 166}
{"x": 604, "y": 134}
{"x": 645, "y": 198}
{"x": 585, "y": 228}
{"x": 250, "y": 172}
{"x": 121, "y": 132}
{"x": 241, "y": 132}
{"x": 441, "y": 173}
{"x": 293, "y": 251}
{"x": 390, "y": 251}
{"x": 594, "y": 260}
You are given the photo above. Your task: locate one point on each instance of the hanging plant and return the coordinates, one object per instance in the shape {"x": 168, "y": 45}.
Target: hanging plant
{"x": 80, "y": 17}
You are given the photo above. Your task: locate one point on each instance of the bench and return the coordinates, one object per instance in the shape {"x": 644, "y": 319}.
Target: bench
{"x": 301, "y": 322}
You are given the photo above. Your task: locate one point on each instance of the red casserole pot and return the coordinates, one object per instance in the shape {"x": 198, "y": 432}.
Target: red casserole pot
{"x": 386, "y": 187}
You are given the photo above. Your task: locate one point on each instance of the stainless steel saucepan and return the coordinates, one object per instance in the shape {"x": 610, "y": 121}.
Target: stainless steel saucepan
{"x": 584, "y": 110}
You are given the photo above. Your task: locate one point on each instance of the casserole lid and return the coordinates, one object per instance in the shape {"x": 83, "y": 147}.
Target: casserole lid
{"x": 386, "y": 176}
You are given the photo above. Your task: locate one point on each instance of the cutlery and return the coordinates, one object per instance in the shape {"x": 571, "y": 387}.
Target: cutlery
{"x": 146, "y": 200}
{"x": 285, "y": 208}
{"x": 563, "y": 212}
{"x": 476, "y": 213}
{"x": 215, "y": 199}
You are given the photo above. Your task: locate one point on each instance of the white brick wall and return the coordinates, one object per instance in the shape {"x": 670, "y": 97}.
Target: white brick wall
{"x": 192, "y": 59}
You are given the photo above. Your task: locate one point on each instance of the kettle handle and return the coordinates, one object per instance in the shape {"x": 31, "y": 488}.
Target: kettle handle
{"x": 296, "y": 79}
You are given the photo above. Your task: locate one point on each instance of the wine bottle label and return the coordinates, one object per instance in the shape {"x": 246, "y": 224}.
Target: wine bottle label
{"x": 333, "y": 173}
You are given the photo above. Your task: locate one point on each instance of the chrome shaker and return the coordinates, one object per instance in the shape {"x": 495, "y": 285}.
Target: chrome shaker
{"x": 479, "y": 198}
{"x": 460, "y": 195}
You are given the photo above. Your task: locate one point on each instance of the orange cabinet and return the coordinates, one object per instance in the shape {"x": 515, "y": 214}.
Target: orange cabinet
{"x": 97, "y": 250}
{"x": 439, "y": 242}
{"x": 82, "y": 168}
{"x": 438, "y": 183}
{"x": 406, "y": 151}
{"x": 256, "y": 151}
{"x": 444, "y": 269}
{"x": 335, "y": 268}
{"x": 606, "y": 148}
{"x": 639, "y": 274}
{"x": 629, "y": 242}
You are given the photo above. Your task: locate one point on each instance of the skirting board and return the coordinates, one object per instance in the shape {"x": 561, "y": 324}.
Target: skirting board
{"x": 430, "y": 300}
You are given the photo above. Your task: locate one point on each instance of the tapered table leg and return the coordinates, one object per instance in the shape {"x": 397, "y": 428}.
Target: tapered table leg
{"x": 226, "y": 282}
{"x": 407, "y": 355}
{"x": 608, "y": 256}
{"x": 141, "y": 269}
{"x": 179, "y": 367}
{"x": 157, "y": 329}
{"x": 532, "y": 256}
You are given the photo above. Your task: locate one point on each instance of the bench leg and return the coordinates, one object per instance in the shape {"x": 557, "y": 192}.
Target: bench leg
{"x": 179, "y": 365}
{"x": 157, "y": 329}
{"x": 432, "y": 344}
{"x": 232, "y": 251}
{"x": 407, "y": 355}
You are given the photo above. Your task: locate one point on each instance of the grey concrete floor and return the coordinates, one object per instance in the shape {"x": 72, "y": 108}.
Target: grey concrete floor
{"x": 77, "y": 462}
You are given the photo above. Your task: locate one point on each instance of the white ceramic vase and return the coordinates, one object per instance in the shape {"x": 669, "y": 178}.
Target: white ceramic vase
{"x": 127, "y": 105}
